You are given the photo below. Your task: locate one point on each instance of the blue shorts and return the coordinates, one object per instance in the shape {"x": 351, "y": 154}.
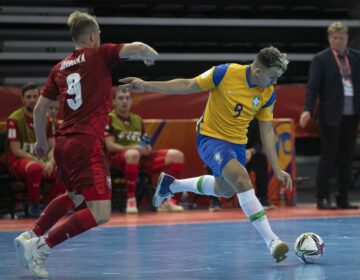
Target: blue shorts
{"x": 216, "y": 153}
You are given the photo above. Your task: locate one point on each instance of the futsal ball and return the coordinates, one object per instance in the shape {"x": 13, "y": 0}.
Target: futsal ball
{"x": 309, "y": 247}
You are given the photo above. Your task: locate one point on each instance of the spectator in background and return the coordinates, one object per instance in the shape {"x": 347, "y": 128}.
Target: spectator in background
{"x": 256, "y": 161}
{"x": 123, "y": 141}
{"x": 21, "y": 139}
{"x": 334, "y": 77}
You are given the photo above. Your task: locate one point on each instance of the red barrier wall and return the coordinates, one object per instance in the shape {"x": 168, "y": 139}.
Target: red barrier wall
{"x": 289, "y": 104}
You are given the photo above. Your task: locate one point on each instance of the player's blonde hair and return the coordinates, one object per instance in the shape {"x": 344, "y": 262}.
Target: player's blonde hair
{"x": 337, "y": 26}
{"x": 271, "y": 57}
{"x": 79, "y": 23}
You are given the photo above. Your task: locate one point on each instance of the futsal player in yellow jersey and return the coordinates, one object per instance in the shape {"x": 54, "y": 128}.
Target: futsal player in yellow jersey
{"x": 238, "y": 93}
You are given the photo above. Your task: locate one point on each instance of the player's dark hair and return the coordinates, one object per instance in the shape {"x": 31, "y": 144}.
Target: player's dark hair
{"x": 29, "y": 86}
{"x": 271, "y": 57}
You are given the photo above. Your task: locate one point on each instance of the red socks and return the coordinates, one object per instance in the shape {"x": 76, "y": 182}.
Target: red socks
{"x": 77, "y": 223}
{"x": 131, "y": 175}
{"x": 174, "y": 169}
{"x": 52, "y": 213}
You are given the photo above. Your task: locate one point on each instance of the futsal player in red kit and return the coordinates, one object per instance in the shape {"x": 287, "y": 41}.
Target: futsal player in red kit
{"x": 83, "y": 81}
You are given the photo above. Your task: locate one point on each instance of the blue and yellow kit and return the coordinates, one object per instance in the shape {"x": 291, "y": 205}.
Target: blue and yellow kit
{"x": 233, "y": 102}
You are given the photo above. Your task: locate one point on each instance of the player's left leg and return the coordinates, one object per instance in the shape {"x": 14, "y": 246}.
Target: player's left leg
{"x": 235, "y": 174}
{"x": 36, "y": 250}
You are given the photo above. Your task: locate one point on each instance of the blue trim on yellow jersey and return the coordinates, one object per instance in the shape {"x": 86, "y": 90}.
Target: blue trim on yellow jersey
{"x": 248, "y": 78}
{"x": 219, "y": 73}
{"x": 270, "y": 101}
{"x": 199, "y": 123}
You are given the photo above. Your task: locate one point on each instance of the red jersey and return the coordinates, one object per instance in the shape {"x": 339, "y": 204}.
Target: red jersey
{"x": 83, "y": 80}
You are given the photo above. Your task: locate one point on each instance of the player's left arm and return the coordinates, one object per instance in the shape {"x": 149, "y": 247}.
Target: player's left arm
{"x": 267, "y": 138}
{"x": 40, "y": 118}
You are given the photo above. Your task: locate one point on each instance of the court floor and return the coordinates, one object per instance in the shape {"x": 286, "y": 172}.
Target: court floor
{"x": 195, "y": 245}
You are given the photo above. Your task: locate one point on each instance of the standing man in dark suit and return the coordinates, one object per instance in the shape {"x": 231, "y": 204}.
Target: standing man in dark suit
{"x": 335, "y": 78}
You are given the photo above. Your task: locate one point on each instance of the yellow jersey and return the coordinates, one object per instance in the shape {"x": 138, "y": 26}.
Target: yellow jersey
{"x": 233, "y": 102}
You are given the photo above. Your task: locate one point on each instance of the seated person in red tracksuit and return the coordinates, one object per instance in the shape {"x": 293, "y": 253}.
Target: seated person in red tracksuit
{"x": 123, "y": 137}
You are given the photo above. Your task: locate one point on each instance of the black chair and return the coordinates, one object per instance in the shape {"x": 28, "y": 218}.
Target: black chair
{"x": 237, "y": 47}
{"x": 131, "y": 10}
{"x": 304, "y": 47}
{"x": 280, "y": 45}
{"x": 236, "y": 11}
{"x": 7, "y": 196}
{"x": 202, "y": 47}
{"x": 201, "y": 11}
{"x": 13, "y": 193}
{"x": 336, "y": 13}
{"x": 169, "y": 46}
{"x": 271, "y": 11}
{"x": 305, "y": 11}
{"x": 144, "y": 188}
{"x": 166, "y": 10}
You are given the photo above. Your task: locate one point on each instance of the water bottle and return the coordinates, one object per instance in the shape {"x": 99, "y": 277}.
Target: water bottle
{"x": 145, "y": 140}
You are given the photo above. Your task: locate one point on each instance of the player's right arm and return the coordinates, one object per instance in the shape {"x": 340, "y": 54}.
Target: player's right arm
{"x": 314, "y": 83}
{"x": 200, "y": 83}
{"x": 176, "y": 86}
{"x": 15, "y": 147}
{"x": 138, "y": 50}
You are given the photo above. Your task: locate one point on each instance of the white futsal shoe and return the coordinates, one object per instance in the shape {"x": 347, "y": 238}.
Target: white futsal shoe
{"x": 19, "y": 247}
{"x": 170, "y": 206}
{"x": 278, "y": 250}
{"x": 36, "y": 254}
{"x": 131, "y": 206}
{"x": 162, "y": 191}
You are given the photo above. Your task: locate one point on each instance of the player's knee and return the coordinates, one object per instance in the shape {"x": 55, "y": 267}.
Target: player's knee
{"x": 132, "y": 156}
{"x": 228, "y": 193}
{"x": 33, "y": 167}
{"x": 76, "y": 198}
{"x": 103, "y": 217}
{"x": 176, "y": 156}
{"x": 101, "y": 210}
{"x": 224, "y": 191}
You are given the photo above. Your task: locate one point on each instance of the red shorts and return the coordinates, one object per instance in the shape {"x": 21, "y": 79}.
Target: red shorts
{"x": 83, "y": 166}
{"x": 154, "y": 162}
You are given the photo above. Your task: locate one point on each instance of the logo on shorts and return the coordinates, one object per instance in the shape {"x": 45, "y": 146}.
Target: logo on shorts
{"x": 218, "y": 158}
{"x": 108, "y": 181}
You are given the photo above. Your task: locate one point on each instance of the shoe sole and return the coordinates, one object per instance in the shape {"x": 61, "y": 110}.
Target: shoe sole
{"x": 132, "y": 212}
{"x": 20, "y": 253}
{"x": 161, "y": 177}
{"x": 280, "y": 252}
